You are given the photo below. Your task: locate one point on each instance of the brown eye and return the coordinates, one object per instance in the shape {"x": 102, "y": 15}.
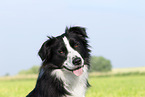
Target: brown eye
{"x": 61, "y": 52}
{"x": 76, "y": 45}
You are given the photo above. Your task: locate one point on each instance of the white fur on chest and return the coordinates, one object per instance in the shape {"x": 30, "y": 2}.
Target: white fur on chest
{"x": 76, "y": 85}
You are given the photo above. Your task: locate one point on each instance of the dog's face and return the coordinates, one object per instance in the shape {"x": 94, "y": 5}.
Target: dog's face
{"x": 68, "y": 51}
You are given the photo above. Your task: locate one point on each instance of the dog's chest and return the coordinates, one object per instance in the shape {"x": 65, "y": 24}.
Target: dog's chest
{"x": 75, "y": 85}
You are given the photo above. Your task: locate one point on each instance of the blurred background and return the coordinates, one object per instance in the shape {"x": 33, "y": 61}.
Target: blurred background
{"x": 116, "y": 30}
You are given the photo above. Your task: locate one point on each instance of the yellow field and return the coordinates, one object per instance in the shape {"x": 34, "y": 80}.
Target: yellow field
{"x": 123, "y": 70}
{"x": 116, "y": 71}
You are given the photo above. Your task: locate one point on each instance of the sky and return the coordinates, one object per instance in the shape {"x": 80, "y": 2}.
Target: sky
{"x": 116, "y": 30}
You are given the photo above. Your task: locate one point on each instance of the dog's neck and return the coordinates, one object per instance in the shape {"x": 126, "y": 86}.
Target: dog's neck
{"x": 76, "y": 85}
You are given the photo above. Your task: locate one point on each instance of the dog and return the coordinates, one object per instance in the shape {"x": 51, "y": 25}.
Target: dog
{"x": 65, "y": 64}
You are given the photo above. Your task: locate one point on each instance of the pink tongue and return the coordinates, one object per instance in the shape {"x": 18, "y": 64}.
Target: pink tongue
{"x": 78, "y": 72}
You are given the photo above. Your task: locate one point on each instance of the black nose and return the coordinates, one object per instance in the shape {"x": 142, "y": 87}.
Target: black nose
{"x": 77, "y": 61}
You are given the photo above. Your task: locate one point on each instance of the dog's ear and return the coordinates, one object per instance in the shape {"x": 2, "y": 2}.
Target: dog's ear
{"x": 45, "y": 49}
{"x": 77, "y": 30}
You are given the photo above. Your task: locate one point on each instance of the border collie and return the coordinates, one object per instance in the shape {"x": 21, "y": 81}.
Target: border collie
{"x": 64, "y": 70}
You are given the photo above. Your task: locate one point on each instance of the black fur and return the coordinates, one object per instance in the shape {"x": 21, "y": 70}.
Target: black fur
{"x": 53, "y": 54}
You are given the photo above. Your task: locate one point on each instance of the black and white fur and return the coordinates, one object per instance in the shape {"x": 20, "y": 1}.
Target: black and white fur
{"x": 64, "y": 58}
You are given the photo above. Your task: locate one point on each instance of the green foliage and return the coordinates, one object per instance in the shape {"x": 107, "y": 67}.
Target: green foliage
{"x": 32, "y": 70}
{"x": 7, "y": 74}
{"x": 100, "y": 64}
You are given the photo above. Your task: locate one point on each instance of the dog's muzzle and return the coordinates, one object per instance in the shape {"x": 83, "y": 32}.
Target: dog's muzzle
{"x": 77, "y": 61}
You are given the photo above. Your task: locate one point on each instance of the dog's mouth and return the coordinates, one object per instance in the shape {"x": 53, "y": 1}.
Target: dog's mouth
{"x": 77, "y": 71}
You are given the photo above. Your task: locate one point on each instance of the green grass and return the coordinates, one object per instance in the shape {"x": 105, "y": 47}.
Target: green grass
{"x": 109, "y": 86}
{"x": 16, "y": 88}
{"x": 122, "y": 86}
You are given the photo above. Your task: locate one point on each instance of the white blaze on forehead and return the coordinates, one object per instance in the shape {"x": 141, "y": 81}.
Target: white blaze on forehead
{"x": 71, "y": 54}
{"x": 69, "y": 48}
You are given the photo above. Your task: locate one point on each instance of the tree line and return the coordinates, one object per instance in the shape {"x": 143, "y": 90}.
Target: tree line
{"x": 98, "y": 64}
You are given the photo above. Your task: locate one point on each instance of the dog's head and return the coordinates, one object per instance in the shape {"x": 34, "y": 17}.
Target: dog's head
{"x": 68, "y": 51}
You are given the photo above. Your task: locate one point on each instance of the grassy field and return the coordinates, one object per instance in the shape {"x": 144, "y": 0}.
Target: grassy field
{"x": 122, "y": 86}
{"x": 105, "y": 86}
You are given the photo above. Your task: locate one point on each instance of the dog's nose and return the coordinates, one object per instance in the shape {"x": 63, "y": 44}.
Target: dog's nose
{"x": 77, "y": 61}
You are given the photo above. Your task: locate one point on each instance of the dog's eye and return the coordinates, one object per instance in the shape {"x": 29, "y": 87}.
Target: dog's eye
{"x": 76, "y": 45}
{"x": 61, "y": 52}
